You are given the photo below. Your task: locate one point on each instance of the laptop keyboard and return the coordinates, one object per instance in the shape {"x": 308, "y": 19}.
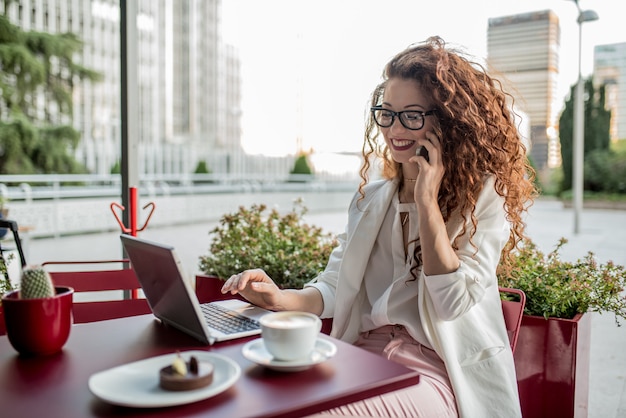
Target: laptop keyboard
{"x": 227, "y": 321}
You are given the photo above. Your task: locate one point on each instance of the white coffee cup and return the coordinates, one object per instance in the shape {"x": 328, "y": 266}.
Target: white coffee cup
{"x": 290, "y": 335}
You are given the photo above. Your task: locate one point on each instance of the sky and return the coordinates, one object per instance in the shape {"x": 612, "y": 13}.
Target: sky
{"x": 309, "y": 66}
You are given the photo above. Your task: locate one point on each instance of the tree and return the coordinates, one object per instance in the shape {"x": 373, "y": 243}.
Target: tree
{"x": 35, "y": 66}
{"x": 202, "y": 168}
{"x": 117, "y": 168}
{"x": 597, "y": 123}
{"x": 301, "y": 165}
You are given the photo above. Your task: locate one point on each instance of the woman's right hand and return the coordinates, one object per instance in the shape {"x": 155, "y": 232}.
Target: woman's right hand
{"x": 257, "y": 287}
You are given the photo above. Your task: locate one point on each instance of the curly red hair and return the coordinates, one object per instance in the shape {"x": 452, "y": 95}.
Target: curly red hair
{"x": 477, "y": 129}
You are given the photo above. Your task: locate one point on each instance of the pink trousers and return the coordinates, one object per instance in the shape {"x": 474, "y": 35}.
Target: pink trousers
{"x": 431, "y": 397}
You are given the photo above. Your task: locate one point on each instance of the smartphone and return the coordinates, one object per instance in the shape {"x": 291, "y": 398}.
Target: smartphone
{"x": 422, "y": 151}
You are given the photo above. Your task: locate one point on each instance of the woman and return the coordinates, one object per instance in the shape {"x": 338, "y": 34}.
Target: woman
{"x": 414, "y": 276}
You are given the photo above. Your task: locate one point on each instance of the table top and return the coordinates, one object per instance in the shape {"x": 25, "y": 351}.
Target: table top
{"x": 57, "y": 385}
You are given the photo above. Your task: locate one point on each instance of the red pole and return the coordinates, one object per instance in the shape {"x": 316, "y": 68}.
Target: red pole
{"x": 133, "y": 211}
{"x": 133, "y": 225}
{"x": 132, "y": 218}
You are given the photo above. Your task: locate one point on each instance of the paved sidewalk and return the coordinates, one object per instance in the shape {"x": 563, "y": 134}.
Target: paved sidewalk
{"x": 602, "y": 231}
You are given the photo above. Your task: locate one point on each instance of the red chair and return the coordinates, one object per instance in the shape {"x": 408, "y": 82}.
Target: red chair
{"x": 513, "y": 309}
{"x": 94, "y": 307}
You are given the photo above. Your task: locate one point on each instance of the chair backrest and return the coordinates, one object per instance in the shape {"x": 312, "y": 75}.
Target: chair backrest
{"x": 97, "y": 306}
{"x": 12, "y": 226}
{"x": 513, "y": 311}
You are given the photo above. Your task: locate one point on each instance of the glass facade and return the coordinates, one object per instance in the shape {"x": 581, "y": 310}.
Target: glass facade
{"x": 523, "y": 52}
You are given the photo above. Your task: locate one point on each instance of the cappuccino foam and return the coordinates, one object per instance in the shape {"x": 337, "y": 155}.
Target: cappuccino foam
{"x": 294, "y": 321}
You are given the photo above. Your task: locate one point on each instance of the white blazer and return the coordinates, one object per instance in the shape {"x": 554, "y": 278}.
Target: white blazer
{"x": 460, "y": 312}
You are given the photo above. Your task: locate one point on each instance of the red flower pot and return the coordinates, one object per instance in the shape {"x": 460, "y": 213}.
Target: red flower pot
{"x": 552, "y": 364}
{"x": 38, "y": 326}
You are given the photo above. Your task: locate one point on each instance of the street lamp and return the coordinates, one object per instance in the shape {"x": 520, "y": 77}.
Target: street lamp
{"x": 578, "y": 160}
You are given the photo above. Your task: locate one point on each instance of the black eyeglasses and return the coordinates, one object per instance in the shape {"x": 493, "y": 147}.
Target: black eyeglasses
{"x": 410, "y": 119}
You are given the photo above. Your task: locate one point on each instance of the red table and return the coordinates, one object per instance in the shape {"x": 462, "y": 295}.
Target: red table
{"x": 56, "y": 386}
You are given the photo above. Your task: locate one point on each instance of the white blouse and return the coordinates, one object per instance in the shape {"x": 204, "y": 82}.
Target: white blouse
{"x": 391, "y": 290}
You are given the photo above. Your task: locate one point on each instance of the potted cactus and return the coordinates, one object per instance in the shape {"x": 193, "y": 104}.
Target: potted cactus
{"x": 38, "y": 315}
{"x": 36, "y": 284}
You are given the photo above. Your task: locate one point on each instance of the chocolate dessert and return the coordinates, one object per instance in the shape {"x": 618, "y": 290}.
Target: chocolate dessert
{"x": 180, "y": 376}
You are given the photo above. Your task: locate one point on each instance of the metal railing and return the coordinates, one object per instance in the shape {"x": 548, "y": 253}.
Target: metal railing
{"x": 60, "y": 186}
{"x": 58, "y": 205}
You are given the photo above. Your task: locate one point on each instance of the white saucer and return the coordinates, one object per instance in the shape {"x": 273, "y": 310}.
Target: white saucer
{"x": 137, "y": 384}
{"x": 255, "y": 351}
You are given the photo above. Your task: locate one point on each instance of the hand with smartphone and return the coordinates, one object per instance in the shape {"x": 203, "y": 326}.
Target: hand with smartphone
{"x": 422, "y": 152}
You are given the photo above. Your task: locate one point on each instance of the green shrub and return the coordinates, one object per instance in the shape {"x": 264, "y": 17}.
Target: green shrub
{"x": 560, "y": 289}
{"x": 605, "y": 171}
{"x": 5, "y": 282}
{"x": 290, "y": 251}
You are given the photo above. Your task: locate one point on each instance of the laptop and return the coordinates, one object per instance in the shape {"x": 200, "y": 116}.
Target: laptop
{"x": 174, "y": 302}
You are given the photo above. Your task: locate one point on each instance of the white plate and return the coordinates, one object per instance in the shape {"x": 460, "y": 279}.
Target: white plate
{"x": 255, "y": 351}
{"x": 137, "y": 384}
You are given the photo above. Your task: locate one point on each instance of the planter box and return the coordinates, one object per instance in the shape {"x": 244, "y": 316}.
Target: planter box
{"x": 552, "y": 364}
{"x": 3, "y": 329}
{"x": 208, "y": 288}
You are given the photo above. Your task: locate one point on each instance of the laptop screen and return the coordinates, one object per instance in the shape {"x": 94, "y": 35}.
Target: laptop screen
{"x": 160, "y": 274}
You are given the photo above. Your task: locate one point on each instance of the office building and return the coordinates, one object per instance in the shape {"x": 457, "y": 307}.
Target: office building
{"x": 188, "y": 81}
{"x": 523, "y": 52}
{"x": 609, "y": 68}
